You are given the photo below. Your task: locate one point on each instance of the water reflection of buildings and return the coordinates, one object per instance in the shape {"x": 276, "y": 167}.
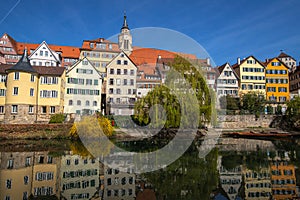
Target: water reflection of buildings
{"x": 23, "y": 174}
{"x": 230, "y": 180}
{"x": 79, "y": 177}
{"x": 118, "y": 185}
{"x": 257, "y": 183}
{"x": 283, "y": 177}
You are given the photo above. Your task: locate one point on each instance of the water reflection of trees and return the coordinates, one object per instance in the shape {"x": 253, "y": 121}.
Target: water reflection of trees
{"x": 187, "y": 178}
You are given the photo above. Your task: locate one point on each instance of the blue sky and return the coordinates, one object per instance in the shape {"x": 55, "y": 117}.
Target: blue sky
{"x": 227, "y": 29}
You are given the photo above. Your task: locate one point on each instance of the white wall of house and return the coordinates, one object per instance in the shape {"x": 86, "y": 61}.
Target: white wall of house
{"x": 44, "y": 56}
{"x": 83, "y": 89}
{"x": 121, "y": 85}
{"x": 227, "y": 82}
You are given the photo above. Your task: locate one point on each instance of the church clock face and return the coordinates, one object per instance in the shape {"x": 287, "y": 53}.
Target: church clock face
{"x": 126, "y": 37}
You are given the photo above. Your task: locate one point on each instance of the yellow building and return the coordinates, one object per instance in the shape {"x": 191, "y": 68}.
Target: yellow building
{"x": 251, "y": 74}
{"x": 30, "y": 94}
{"x": 277, "y": 81}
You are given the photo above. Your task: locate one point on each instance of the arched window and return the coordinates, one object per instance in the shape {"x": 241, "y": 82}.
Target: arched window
{"x": 94, "y": 103}
{"x": 87, "y": 103}
{"x": 70, "y": 102}
{"x": 78, "y": 103}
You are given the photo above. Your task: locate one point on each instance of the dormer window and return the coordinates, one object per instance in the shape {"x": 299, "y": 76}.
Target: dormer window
{"x": 91, "y": 45}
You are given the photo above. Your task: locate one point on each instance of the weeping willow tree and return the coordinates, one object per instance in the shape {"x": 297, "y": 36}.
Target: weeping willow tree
{"x": 194, "y": 85}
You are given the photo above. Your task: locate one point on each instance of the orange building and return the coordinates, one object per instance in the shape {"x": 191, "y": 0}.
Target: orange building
{"x": 277, "y": 81}
{"x": 283, "y": 180}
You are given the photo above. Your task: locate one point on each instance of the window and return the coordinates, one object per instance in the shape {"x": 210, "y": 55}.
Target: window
{"x": 131, "y": 82}
{"x": 7, "y": 197}
{"x": 26, "y": 179}
{"x": 30, "y": 109}
{"x": 118, "y": 62}
{"x": 41, "y": 53}
{"x": 10, "y": 164}
{"x": 68, "y": 162}
{"x": 8, "y": 183}
{"x": 52, "y": 109}
{"x": 2, "y": 92}
{"x": 125, "y": 72}
{"x": 118, "y": 81}
{"x": 129, "y": 91}
{"x": 44, "y": 109}
{"x": 76, "y": 161}
{"x": 118, "y": 91}
{"x": 111, "y": 71}
{"x": 1, "y": 109}
{"x": 111, "y": 81}
{"x": 85, "y": 62}
{"x": 132, "y": 72}
{"x": 70, "y": 102}
{"x": 125, "y": 62}
{"x": 46, "y": 53}
{"x": 111, "y": 91}
{"x": 87, "y": 103}
{"x": 17, "y": 76}
{"x": 91, "y": 45}
{"x": 78, "y": 103}
{"x": 125, "y": 82}
{"x": 32, "y": 78}
{"x": 31, "y": 93}
{"x": 14, "y": 108}
{"x": 89, "y": 82}
{"x": 118, "y": 71}
{"x": 94, "y": 103}
{"x": 95, "y": 82}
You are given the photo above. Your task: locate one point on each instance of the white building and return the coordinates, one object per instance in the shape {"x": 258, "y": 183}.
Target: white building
{"x": 121, "y": 85}
{"x": 83, "y": 88}
{"x": 288, "y": 60}
{"x": 227, "y": 81}
{"x": 118, "y": 185}
{"x": 79, "y": 177}
{"x": 44, "y": 56}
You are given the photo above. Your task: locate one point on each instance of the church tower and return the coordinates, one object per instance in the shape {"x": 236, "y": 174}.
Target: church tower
{"x": 125, "y": 38}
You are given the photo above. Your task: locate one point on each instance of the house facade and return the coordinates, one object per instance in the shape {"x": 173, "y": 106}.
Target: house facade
{"x": 227, "y": 81}
{"x": 30, "y": 93}
{"x": 288, "y": 60}
{"x": 294, "y": 78}
{"x": 83, "y": 89}
{"x": 44, "y": 56}
{"x": 251, "y": 74}
{"x": 121, "y": 85}
{"x": 277, "y": 81}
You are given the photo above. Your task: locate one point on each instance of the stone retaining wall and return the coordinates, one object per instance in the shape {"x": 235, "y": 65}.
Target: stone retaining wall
{"x": 245, "y": 121}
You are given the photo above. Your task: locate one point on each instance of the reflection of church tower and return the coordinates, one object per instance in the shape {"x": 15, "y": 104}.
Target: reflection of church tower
{"x": 125, "y": 38}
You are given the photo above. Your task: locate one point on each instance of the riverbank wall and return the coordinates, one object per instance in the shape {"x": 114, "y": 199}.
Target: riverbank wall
{"x": 245, "y": 121}
{"x": 34, "y": 131}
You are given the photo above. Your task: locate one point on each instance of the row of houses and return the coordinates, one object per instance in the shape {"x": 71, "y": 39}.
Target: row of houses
{"x": 38, "y": 80}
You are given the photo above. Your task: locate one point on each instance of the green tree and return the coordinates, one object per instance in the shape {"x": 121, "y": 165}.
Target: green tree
{"x": 165, "y": 96}
{"x": 293, "y": 108}
{"x": 229, "y": 103}
{"x": 253, "y": 103}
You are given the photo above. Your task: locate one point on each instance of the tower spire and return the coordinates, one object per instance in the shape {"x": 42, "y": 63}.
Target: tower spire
{"x": 125, "y": 25}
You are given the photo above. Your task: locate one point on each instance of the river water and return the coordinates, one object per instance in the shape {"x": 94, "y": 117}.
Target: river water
{"x": 232, "y": 169}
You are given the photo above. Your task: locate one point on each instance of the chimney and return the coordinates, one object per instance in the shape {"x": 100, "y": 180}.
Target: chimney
{"x": 238, "y": 60}
{"x": 208, "y": 61}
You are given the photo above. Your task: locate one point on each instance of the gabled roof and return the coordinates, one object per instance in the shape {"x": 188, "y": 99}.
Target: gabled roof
{"x": 244, "y": 60}
{"x": 112, "y": 60}
{"x": 66, "y": 51}
{"x": 12, "y": 40}
{"x": 23, "y": 65}
{"x": 79, "y": 61}
{"x": 284, "y": 55}
{"x": 50, "y": 50}
{"x": 222, "y": 67}
{"x": 271, "y": 59}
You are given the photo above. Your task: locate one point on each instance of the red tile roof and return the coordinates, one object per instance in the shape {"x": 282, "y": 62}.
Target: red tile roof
{"x": 66, "y": 51}
{"x": 149, "y": 56}
{"x": 86, "y": 45}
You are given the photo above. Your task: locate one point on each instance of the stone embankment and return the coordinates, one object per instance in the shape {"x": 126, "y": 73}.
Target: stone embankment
{"x": 34, "y": 131}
